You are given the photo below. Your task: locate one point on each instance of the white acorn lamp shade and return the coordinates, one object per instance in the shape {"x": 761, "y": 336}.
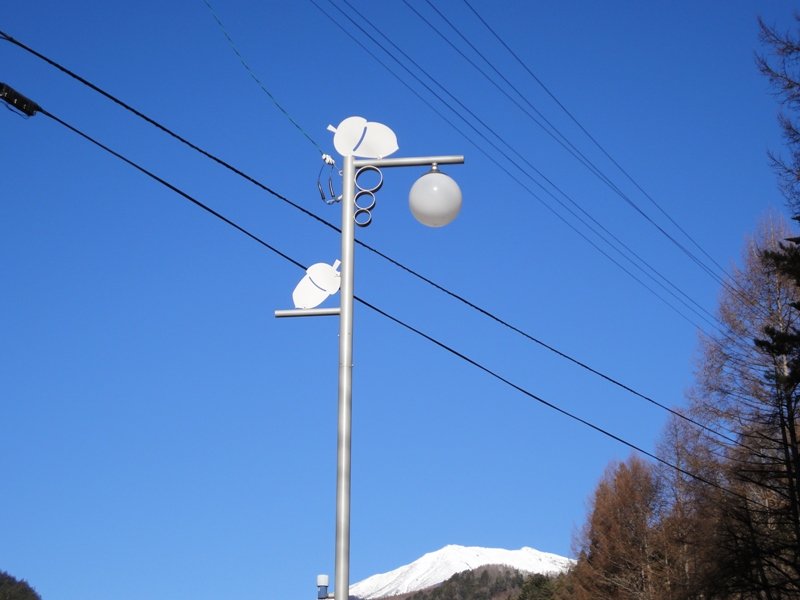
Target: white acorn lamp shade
{"x": 435, "y": 199}
{"x": 321, "y": 280}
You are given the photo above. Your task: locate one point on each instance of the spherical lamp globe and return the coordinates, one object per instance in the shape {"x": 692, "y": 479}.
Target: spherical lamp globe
{"x": 435, "y": 199}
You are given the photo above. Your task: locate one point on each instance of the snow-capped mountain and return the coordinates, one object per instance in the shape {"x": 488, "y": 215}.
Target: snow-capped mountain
{"x": 439, "y": 566}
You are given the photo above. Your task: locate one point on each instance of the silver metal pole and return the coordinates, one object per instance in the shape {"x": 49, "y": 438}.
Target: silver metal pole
{"x": 342, "y": 576}
{"x": 343, "y": 459}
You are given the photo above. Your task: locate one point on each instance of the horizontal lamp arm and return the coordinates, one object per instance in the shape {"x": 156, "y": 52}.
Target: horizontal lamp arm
{"x": 410, "y": 161}
{"x": 308, "y": 312}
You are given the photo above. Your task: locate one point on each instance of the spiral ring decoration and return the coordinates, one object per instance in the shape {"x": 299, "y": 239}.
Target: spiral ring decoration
{"x": 363, "y": 212}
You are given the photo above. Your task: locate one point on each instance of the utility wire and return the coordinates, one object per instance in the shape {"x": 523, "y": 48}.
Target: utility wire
{"x": 174, "y": 188}
{"x": 256, "y": 79}
{"x": 138, "y": 113}
{"x": 558, "y": 138}
{"x": 556, "y": 135}
{"x": 628, "y": 176}
{"x": 726, "y": 280}
{"x": 375, "y": 251}
{"x": 396, "y": 320}
{"x": 594, "y": 228}
{"x": 511, "y": 160}
{"x": 560, "y": 410}
{"x": 716, "y": 324}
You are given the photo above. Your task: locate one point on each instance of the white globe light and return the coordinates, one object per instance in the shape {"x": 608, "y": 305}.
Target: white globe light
{"x": 435, "y": 199}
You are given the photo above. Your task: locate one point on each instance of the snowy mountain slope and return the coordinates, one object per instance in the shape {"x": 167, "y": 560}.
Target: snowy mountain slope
{"x": 439, "y": 566}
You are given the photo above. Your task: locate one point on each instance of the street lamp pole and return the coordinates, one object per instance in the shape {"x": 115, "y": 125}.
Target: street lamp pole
{"x": 351, "y": 169}
{"x": 435, "y": 200}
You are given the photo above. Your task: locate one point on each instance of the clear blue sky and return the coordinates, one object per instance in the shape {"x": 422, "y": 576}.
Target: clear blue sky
{"x": 164, "y": 436}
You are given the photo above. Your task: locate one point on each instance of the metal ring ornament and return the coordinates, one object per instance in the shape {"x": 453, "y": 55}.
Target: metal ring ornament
{"x": 362, "y": 221}
{"x": 363, "y": 214}
{"x": 370, "y": 205}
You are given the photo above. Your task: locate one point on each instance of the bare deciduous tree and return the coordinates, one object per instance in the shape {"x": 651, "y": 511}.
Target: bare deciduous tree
{"x": 618, "y": 549}
{"x": 747, "y": 385}
{"x": 782, "y": 68}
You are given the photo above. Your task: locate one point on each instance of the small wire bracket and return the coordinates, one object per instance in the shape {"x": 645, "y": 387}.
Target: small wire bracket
{"x": 331, "y": 197}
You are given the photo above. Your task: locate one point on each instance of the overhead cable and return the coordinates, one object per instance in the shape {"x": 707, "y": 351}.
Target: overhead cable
{"x": 565, "y": 143}
{"x": 396, "y": 320}
{"x": 566, "y": 111}
{"x": 726, "y": 280}
{"x": 583, "y": 159}
{"x": 482, "y": 149}
{"x": 715, "y": 323}
{"x": 257, "y": 80}
{"x": 375, "y": 251}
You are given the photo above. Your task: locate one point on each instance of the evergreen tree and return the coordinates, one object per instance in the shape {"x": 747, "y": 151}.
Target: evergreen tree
{"x": 538, "y": 587}
{"x": 14, "y": 589}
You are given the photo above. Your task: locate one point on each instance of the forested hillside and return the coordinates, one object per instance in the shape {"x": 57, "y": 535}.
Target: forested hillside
{"x": 488, "y": 583}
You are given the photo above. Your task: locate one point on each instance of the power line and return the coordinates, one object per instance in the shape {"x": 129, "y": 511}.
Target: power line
{"x": 510, "y": 159}
{"x": 395, "y": 320}
{"x": 193, "y": 146}
{"x": 558, "y": 409}
{"x": 377, "y": 252}
{"x": 604, "y": 234}
{"x": 256, "y": 79}
{"x": 583, "y": 159}
{"x": 505, "y": 155}
{"x": 173, "y": 188}
{"x": 568, "y": 146}
{"x": 589, "y": 135}
{"x": 726, "y": 280}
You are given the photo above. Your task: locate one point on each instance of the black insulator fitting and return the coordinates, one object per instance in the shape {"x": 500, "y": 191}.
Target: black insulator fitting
{"x": 18, "y": 101}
